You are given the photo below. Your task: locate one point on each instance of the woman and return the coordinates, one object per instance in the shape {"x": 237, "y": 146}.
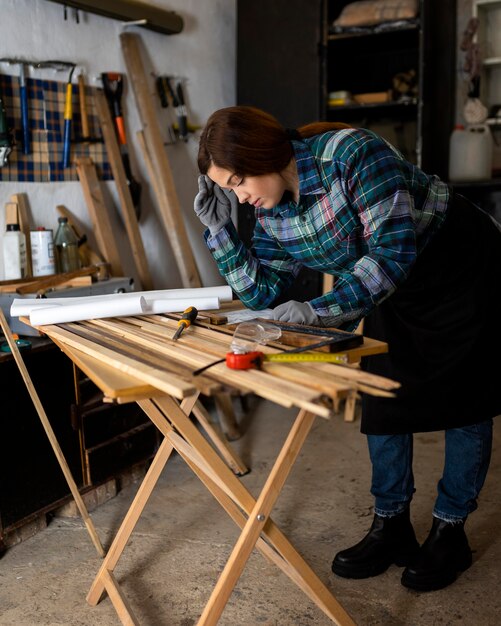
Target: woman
{"x": 422, "y": 267}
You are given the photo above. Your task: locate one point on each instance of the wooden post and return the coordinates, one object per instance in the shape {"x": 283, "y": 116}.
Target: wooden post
{"x": 170, "y": 213}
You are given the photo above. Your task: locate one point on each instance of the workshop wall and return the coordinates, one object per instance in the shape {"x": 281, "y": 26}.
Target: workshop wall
{"x": 203, "y": 54}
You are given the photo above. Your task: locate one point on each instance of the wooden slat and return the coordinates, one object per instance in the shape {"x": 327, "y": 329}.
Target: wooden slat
{"x": 163, "y": 381}
{"x": 124, "y": 196}
{"x": 23, "y": 213}
{"x": 340, "y": 371}
{"x": 170, "y": 210}
{"x": 99, "y": 214}
{"x": 200, "y": 353}
{"x": 282, "y": 392}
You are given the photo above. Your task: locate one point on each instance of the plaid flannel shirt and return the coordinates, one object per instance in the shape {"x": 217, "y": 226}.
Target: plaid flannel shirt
{"x": 364, "y": 214}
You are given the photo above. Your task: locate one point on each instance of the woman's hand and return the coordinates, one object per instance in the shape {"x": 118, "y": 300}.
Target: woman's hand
{"x": 213, "y": 205}
{"x": 297, "y": 313}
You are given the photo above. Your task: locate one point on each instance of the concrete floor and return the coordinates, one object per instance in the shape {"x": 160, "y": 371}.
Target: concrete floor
{"x": 183, "y": 540}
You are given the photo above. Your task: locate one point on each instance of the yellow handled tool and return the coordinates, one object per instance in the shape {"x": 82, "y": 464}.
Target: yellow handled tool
{"x": 189, "y": 316}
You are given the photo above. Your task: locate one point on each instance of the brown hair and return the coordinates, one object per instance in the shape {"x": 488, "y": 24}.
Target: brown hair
{"x": 248, "y": 141}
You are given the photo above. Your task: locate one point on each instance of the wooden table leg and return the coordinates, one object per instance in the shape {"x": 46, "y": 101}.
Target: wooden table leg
{"x": 219, "y": 440}
{"x": 225, "y": 482}
{"x": 180, "y": 433}
{"x": 103, "y": 580}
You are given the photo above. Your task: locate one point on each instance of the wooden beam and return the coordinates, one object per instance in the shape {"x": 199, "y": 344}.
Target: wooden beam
{"x": 128, "y": 213}
{"x": 24, "y": 222}
{"x": 99, "y": 214}
{"x": 170, "y": 210}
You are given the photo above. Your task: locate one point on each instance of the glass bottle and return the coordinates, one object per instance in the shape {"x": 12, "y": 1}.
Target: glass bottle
{"x": 66, "y": 247}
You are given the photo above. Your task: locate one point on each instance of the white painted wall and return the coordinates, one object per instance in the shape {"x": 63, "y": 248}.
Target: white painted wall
{"x": 203, "y": 53}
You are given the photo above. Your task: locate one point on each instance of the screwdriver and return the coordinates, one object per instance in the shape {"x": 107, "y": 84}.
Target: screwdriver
{"x": 189, "y": 316}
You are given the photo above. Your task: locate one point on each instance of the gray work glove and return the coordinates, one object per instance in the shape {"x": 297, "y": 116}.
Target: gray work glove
{"x": 297, "y": 312}
{"x": 213, "y": 205}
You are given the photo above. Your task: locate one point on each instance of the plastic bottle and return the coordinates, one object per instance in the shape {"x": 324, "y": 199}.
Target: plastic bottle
{"x": 66, "y": 247}
{"x": 470, "y": 153}
{"x": 14, "y": 253}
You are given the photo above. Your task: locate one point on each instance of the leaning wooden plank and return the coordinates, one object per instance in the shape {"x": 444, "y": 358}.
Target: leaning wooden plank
{"x": 23, "y": 213}
{"x": 163, "y": 381}
{"x": 99, "y": 215}
{"x": 128, "y": 213}
{"x": 51, "y": 435}
{"x": 170, "y": 210}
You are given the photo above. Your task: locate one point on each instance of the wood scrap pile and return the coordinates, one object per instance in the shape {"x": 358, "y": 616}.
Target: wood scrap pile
{"x": 142, "y": 348}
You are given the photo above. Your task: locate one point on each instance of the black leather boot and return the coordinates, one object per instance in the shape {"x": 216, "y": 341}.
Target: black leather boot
{"x": 443, "y": 555}
{"x": 390, "y": 540}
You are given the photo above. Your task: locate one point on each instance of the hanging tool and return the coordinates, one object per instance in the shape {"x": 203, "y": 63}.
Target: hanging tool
{"x": 177, "y": 98}
{"x": 23, "y": 95}
{"x": 23, "y": 98}
{"x": 113, "y": 89}
{"x": 68, "y": 117}
{"x": 83, "y": 108}
{"x": 85, "y": 137}
{"x": 6, "y": 141}
{"x": 189, "y": 316}
{"x": 164, "y": 95}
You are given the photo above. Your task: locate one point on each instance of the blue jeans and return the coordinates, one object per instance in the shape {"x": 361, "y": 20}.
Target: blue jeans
{"x": 467, "y": 458}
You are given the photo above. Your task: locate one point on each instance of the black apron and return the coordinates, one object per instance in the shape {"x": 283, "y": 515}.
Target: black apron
{"x": 442, "y": 330}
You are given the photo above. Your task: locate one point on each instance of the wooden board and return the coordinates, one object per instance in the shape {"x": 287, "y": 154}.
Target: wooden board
{"x": 170, "y": 210}
{"x": 99, "y": 214}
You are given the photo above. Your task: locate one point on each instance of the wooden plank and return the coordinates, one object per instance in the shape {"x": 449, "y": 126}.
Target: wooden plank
{"x": 170, "y": 210}
{"x": 23, "y": 213}
{"x": 271, "y": 388}
{"x": 274, "y": 389}
{"x": 343, "y": 372}
{"x": 124, "y": 196}
{"x": 43, "y": 283}
{"x": 99, "y": 214}
{"x": 112, "y": 383}
{"x": 164, "y": 381}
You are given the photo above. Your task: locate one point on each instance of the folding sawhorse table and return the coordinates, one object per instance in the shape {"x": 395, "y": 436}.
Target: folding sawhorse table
{"x": 122, "y": 356}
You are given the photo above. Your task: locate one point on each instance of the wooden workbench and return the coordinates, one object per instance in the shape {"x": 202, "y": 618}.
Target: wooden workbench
{"x": 135, "y": 359}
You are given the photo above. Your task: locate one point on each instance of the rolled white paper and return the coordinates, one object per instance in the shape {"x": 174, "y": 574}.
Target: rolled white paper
{"x": 24, "y": 306}
{"x": 88, "y": 311}
{"x": 172, "y": 305}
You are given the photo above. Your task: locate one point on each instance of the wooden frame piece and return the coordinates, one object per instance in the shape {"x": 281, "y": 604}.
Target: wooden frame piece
{"x": 251, "y": 515}
{"x": 99, "y": 214}
{"x": 170, "y": 211}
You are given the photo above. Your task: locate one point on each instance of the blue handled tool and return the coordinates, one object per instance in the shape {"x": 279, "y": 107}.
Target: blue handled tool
{"x": 68, "y": 117}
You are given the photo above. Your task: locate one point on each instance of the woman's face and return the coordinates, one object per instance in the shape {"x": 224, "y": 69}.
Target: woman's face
{"x": 264, "y": 191}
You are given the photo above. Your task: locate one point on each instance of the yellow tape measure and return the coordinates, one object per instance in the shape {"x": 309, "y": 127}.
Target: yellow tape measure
{"x": 322, "y": 357}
